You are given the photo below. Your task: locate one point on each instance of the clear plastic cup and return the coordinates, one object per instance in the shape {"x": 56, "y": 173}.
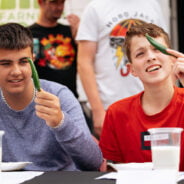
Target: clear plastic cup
{"x": 1, "y": 136}
{"x": 165, "y": 147}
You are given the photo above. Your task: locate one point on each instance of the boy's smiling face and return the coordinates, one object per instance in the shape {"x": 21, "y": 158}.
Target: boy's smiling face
{"x": 148, "y": 63}
{"x": 15, "y": 70}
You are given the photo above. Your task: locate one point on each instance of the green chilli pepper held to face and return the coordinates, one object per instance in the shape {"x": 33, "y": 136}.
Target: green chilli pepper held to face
{"x": 157, "y": 45}
{"x": 34, "y": 75}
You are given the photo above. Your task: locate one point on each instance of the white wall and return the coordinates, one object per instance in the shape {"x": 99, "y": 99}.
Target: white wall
{"x": 75, "y": 6}
{"x": 166, "y": 10}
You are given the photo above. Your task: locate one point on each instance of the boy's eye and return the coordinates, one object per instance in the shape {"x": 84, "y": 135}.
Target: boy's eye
{"x": 156, "y": 50}
{"x": 139, "y": 54}
{"x": 5, "y": 63}
{"x": 24, "y": 61}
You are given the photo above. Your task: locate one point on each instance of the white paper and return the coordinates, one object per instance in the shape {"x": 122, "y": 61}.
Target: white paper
{"x": 132, "y": 166}
{"x": 111, "y": 175}
{"x": 17, "y": 177}
{"x": 147, "y": 177}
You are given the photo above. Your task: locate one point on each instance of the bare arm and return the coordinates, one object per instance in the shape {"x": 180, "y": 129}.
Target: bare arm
{"x": 86, "y": 55}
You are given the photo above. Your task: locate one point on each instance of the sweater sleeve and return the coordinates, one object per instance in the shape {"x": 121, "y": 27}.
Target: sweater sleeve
{"x": 75, "y": 136}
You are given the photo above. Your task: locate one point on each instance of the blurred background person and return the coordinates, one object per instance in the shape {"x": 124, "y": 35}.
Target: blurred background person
{"x": 101, "y": 62}
{"x": 54, "y": 45}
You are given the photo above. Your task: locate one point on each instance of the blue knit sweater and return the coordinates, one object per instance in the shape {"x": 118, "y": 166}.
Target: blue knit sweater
{"x": 28, "y": 138}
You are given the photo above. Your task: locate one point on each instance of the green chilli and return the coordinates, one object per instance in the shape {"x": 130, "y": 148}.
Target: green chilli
{"x": 34, "y": 75}
{"x": 157, "y": 45}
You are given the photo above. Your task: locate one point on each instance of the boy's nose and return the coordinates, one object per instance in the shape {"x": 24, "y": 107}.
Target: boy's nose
{"x": 15, "y": 70}
{"x": 150, "y": 56}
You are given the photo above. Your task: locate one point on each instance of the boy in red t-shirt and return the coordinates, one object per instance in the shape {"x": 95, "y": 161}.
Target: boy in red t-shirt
{"x": 124, "y": 137}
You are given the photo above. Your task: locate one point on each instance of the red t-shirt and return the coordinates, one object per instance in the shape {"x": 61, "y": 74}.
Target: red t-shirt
{"x": 124, "y": 135}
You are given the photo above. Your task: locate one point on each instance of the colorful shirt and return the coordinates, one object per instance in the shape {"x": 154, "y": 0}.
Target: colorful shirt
{"x": 55, "y": 52}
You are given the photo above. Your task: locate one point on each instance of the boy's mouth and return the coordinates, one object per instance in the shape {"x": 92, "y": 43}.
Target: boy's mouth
{"x": 15, "y": 80}
{"x": 153, "y": 68}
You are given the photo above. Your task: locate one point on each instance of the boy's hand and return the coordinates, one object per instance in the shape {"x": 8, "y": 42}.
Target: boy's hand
{"x": 48, "y": 108}
{"x": 178, "y": 68}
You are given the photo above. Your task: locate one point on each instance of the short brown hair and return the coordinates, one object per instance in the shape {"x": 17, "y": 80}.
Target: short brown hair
{"x": 140, "y": 30}
{"x": 15, "y": 36}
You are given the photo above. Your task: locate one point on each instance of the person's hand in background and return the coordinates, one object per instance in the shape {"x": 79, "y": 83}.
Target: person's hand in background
{"x": 74, "y": 21}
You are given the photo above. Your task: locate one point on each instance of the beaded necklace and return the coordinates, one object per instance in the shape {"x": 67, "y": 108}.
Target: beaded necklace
{"x": 4, "y": 99}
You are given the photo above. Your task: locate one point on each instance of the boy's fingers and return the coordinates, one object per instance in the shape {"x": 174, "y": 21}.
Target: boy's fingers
{"x": 175, "y": 53}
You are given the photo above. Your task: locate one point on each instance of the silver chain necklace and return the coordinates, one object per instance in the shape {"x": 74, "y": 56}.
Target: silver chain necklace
{"x": 4, "y": 99}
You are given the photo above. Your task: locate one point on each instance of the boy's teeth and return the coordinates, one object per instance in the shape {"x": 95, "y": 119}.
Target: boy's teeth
{"x": 153, "y": 68}
{"x": 15, "y": 80}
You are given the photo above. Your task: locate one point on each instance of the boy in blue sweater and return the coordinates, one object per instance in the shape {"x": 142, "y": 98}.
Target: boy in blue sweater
{"x": 47, "y": 127}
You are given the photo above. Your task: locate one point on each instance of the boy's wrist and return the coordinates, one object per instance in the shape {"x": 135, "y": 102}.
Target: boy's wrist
{"x": 61, "y": 122}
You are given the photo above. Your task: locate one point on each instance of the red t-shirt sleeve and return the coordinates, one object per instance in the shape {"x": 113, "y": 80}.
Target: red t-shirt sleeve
{"x": 108, "y": 142}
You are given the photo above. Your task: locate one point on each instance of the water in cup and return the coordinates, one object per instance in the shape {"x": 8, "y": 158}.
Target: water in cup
{"x": 165, "y": 146}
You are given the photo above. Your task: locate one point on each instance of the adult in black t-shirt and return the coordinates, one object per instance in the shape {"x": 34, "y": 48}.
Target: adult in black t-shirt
{"x": 54, "y": 45}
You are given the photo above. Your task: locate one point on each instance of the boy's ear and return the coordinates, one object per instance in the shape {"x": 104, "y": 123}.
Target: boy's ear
{"x": 131, "y": 69}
